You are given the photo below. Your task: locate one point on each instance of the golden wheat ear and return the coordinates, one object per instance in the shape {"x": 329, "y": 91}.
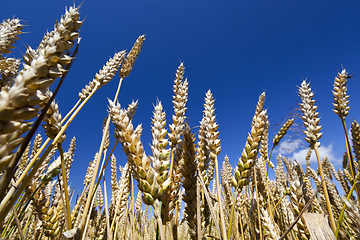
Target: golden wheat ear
{"x": 189, "y": 183}
{"x": 312, "y": 132}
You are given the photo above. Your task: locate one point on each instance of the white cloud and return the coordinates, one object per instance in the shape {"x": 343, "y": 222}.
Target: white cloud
{"x": 324, "y": 151}
{"x": 293, "y": 150}
{"x": 288, "y": 146}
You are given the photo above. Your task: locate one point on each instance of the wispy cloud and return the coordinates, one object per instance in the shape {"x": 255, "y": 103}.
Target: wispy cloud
{"x": 294, "y": 151}
{"x": 288, "y": 146}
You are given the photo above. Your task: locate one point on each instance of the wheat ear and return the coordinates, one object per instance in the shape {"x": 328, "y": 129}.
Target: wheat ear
{"x": 248, "y": 156}
{"x": 189, "y": 183}
{"x": 20, "y": 102}
{"x": 9, "y": 31}
{"x": 355, "y": 134}
{"x": 180, "y": 90}
{"x": 9, "y": 68}
{"x": 312, "y": 132}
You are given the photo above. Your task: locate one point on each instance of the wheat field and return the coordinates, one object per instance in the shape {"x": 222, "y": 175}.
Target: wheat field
{"x": 179, "y": 190}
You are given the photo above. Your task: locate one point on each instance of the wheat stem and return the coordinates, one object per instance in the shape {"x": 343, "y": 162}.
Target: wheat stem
{"x": 257, "y": 205}
{"x": 117, "y": 207}
{"x": 171, "y": 163}
{"x": 343, "y": 208}
{"x": 88, "y": 217}
{"x": 65, "y": 186}
{"x": 328, "y": 204}
{"x": 211, "y": 207}
{"x": 18, "y": 224}
{"x": 232, "y": 214}
{"x": 91, "y": 188}
{"x": 350, "y": 157}
{"x": 278, "y": 203}
{"x": 222, "y": 220}
{"x": 157, "y": 214}
{"x": 198, "y": 214}
{"x": 71, "y": 111}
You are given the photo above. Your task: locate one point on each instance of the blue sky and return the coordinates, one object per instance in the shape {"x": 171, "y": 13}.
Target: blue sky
{"x": 238, "y": 49}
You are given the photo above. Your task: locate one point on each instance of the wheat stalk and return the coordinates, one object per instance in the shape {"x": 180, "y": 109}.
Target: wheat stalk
{"x": 312, "y": 132}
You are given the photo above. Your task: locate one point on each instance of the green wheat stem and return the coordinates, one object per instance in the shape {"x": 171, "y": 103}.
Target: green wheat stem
{"x": 232, "y": 214}
{"x": 350, "y": 157}
{"x": 343, "y": 209}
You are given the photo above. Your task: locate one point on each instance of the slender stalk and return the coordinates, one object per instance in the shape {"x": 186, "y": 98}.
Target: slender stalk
{"x": 343, "y": 210}
{"x": 106, "y": 212}
{"x": 277, "y": 203}
{"x": 232, "y": 214}
{"x": 241, "y": 229}
{"x": 88, "y": 201}
{"x": 176, "y": 222}
{"x": 117, "y": 207}
{"x": 152, "y": 222}
{"x": 328, "y": 204}
{"x": 267, "y": 186}
{"x": 88, "y": 217}
{"x": 237, "y": 237}
{"x": 71, "y": 111}
{"x": 211, "y": 207}
{"x": 18, "y": 224}
{"x": 171, "y": 163}
{"x": 63, "y": 203}
{"x": 222, "y": 221}
{"x": 257, "y": 205}
{"x": 26, "y": 230}
{"x": 65, "y": 186}
{"x": 198, "y": 214}
{"x": 159, "y": 221}
{"x": 103, "y": 166}
{"x": 132, "y": 208}
{"x": 77, "y": 206}
{"x": 350, "y": 157}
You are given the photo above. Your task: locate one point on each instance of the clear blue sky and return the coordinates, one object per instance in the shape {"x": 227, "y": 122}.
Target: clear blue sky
{"x": 238, "y": 49}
